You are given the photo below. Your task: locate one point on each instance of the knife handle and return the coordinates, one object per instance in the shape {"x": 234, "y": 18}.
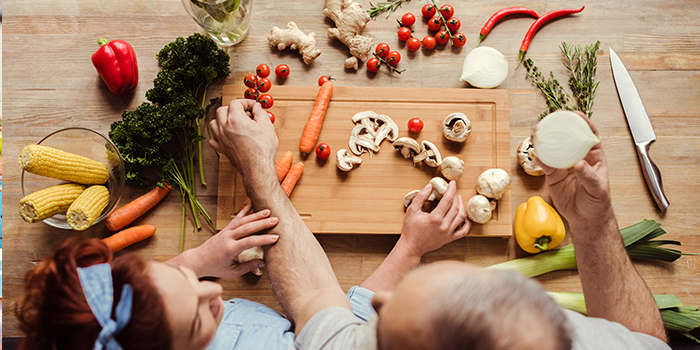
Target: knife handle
{"x": 652, "y": 175}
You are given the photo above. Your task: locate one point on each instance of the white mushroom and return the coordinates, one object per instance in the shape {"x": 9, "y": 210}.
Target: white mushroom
{"x": 430, "y": 155}
{"x": 386, "y": 129}
{"x": 456, "y": 127}
{"x": 493, "y": 183}
{"x": 366, "y": 118}
{"x": 452, "y": 168}
{"x": 407, "y": 146}
{"x": 345, "y": 160}
{"x": 526, "y": 158}
{"x": 439, "y": 188}
{"x": 361, "y": 140}
{"x": 479, "y": 209}
{"x": 251, "y": 254}
{"x": 408, "y": 198}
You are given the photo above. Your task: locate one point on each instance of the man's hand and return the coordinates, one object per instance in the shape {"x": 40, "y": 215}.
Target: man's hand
{"x": 243, "y": 132}
{"x": 217, "y": 257}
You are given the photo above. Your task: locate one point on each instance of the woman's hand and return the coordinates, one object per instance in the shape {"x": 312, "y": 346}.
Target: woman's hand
{"x": 217, "y": 257}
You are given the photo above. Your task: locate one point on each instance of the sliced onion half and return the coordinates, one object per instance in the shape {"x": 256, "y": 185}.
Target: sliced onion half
{"x": 484, "y": 67}
{"x": 562, "y": 139}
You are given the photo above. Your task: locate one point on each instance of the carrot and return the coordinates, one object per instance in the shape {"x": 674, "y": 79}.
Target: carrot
{"x": 292, "y": 177}
{"x": 131, "y": 235}
{"x": 282, "y": 168}
{"x": 313, "y": 125}
{"x": 134, "y": 209}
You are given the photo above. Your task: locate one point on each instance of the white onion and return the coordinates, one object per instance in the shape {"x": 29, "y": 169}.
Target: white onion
{"x": 562, "y": 139}
{"x": 484, "y": 67}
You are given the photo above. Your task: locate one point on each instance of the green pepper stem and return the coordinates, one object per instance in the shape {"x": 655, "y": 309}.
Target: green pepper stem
{"x": 542, "y": 242}
{"x": 102, "y": 41}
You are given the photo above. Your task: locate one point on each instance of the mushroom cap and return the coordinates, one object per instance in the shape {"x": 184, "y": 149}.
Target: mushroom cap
{"x": 493, "y": 183}
{"x": 479, "y": 209}
{"x": 456, "y": 127}
{"x": 407, "y": 146}
{"x": 345, "y": 160}
{"x": 251, "y": 254}
{"x": 452, "y": 168}
{"x": 526, "y": 158}
{"x": 439, "y": 188}
{"x": 361, "y": 140}
{"x": 408, "y": 198}
{"x": 430, "y": 155}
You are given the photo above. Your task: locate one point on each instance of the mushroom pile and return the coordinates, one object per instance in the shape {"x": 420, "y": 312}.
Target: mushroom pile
{"x": 490, "y": 186}
{"x": 451, "y": 167}
{"x": 369, "y": 132}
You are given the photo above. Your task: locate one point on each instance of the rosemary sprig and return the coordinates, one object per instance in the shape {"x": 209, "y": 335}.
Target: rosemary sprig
{"x": 390, "y": 6}
{"x": 582, "y": 66}
{"x": 550, "y": 87}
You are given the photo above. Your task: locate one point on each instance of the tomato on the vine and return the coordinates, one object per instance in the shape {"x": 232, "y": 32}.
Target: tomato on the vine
{"x": 415, "y": 125}
{"x": 408, "y": 19}
{"x": 441, "y": 37}
{"x": 404, "y": 33}
{"x": 382, "y": 50}
{"x": 323, "y": 151}
{"x": 429, "y": 42}
{"x": 428, "y": 11}
{"x": 413, "y": 44}
{"x": 282, "y": 71}
{"x": 266, "y": 101}
{"x": 373, "y": 64}
{"x": 447, "y": 11}
{"x": 323, "y": 79}
{"x": 393, "y": 58}
{"x": 272, "y": 117}
{"x": 264, "y": 85}
{"x": 459, "y": 40}
{"x": 435, "y": 24}
{"x": 250, "y": 93}
{"x": 249, "y": 80}
{"x": 263, "y": 70}
{"x": 453, "y": 24}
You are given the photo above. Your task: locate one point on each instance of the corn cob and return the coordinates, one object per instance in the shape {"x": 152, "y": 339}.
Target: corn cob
{"x": 49, "y": 201}
{"x": 57, "y": 164}
{"x": 87, "y": 208}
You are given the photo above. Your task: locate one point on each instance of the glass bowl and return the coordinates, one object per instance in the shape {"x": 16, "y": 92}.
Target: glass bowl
{"x": 87, "y": 143}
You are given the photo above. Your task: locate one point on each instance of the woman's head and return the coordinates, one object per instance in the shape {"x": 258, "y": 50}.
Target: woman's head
{"x": 55, "y": 315}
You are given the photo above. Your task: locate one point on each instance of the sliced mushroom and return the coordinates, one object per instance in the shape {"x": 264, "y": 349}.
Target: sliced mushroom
{"x": 439, "y": 188}
{"x": 346, "y": 161}
{"x": 430, "y": 155}
{"x": 361, "y": 141}
{"x": 452, "y": 168}
{"x": 366, "y": 118}
{"x": 407, "y": 146}
{"x": 526, "y": 158}
{"x": 386, "y": 129}
{"x": 493, "y": 183}
{"x": 456, "y": 127}
{"x": 408, "y": 198}
{"x": 479, "y": 209}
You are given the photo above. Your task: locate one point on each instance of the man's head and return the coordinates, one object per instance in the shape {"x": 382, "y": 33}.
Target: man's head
{"x": 452, "y": 305}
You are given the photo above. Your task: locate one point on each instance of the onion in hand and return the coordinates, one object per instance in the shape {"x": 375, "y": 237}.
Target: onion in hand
{"x": 484, "y": 67}
{"x": 562, "y": 139}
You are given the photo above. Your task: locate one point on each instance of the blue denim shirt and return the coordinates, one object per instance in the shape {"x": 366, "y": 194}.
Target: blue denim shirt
{"x": 247, "y": 325}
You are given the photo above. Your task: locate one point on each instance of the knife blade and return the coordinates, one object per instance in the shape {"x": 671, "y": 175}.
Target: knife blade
{"x": 640, "y": 126}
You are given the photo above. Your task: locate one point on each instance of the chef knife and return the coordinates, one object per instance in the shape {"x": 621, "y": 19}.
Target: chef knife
{"x": 640, "y": 126}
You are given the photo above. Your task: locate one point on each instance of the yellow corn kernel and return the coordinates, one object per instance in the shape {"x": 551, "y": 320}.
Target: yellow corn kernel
{"x": 57, "y": 164}
{"x": 49, "y": 201}
{"x": 87, "y": 208}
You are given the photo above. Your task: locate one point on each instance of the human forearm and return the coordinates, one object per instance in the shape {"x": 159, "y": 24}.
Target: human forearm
{"x": 395, "y": 266}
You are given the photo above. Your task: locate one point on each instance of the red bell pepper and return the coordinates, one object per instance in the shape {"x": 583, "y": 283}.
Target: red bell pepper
{"x": 115, "y": 61}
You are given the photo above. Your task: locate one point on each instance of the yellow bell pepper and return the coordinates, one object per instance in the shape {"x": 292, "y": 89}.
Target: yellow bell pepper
{"x": 538, "y": 226}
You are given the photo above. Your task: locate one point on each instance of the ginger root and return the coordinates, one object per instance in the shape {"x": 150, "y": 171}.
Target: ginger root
{"x": 350, "y": 19}
{"x": 250, "y": 254}
{"x": 295, "y": 39}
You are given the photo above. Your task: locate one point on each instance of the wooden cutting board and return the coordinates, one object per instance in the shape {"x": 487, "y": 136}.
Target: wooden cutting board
{"x": 369, "y": 198}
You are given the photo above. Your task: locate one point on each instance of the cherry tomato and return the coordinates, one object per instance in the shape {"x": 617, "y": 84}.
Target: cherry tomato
{"x": 249, "y": 94}
{"x": 272, "y": 117}
{"x": 447, "y": 11}
{"x": 441, "y": 37}
{"x": 282, "y": 71}
{"x": 249, "y": 80}
{"x": 404, "y": 33}
{"x": 264, "y": 85}
{"x": 429, "y": 42}
{"x": 263, "y": 70}
{"x": 393, "y": 58}
{"x": 266, "y": 101}
{"x": 323, "y": 151}
{"x": 459, "y": 39}
{"x": 413, "y": 44}
{"x": 428, "y": 11}
{"x": 415, "y": 125}
{"x": 323, "y": 79}
{"x": 435, "y": 24}
{"x": 373, "y": 64}
{"x": 408, "y": 20}
{"x": 453, "y": 24}
{"x": 382, "y": 50}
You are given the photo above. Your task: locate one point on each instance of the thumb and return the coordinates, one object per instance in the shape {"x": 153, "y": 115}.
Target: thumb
{"x": 588, "y": 178}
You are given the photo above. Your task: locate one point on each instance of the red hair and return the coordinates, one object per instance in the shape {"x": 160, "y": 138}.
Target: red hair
{"x": 54, "y": 314}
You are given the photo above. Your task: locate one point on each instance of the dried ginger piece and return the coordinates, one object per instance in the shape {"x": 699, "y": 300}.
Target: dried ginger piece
{"x": 295, "y": 39}
{"x": 350, "y": 19}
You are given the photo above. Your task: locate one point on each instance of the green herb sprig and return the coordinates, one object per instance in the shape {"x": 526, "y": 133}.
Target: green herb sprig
{"x": 382, "y": 6}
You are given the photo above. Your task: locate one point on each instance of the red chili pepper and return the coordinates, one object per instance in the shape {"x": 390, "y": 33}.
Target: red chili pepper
{"x": 500, "y": 14}
{"x": 115, "y": 61}
{"x": 539, "y": 22}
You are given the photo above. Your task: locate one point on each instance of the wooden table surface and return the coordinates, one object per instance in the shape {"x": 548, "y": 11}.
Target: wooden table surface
{"x": 50, "y": 83}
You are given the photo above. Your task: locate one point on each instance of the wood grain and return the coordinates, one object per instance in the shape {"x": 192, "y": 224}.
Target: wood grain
{"x": 369, "y": 198}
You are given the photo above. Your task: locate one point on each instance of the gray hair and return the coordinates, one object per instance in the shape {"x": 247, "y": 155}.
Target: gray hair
{"x": 496, "y": 310}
